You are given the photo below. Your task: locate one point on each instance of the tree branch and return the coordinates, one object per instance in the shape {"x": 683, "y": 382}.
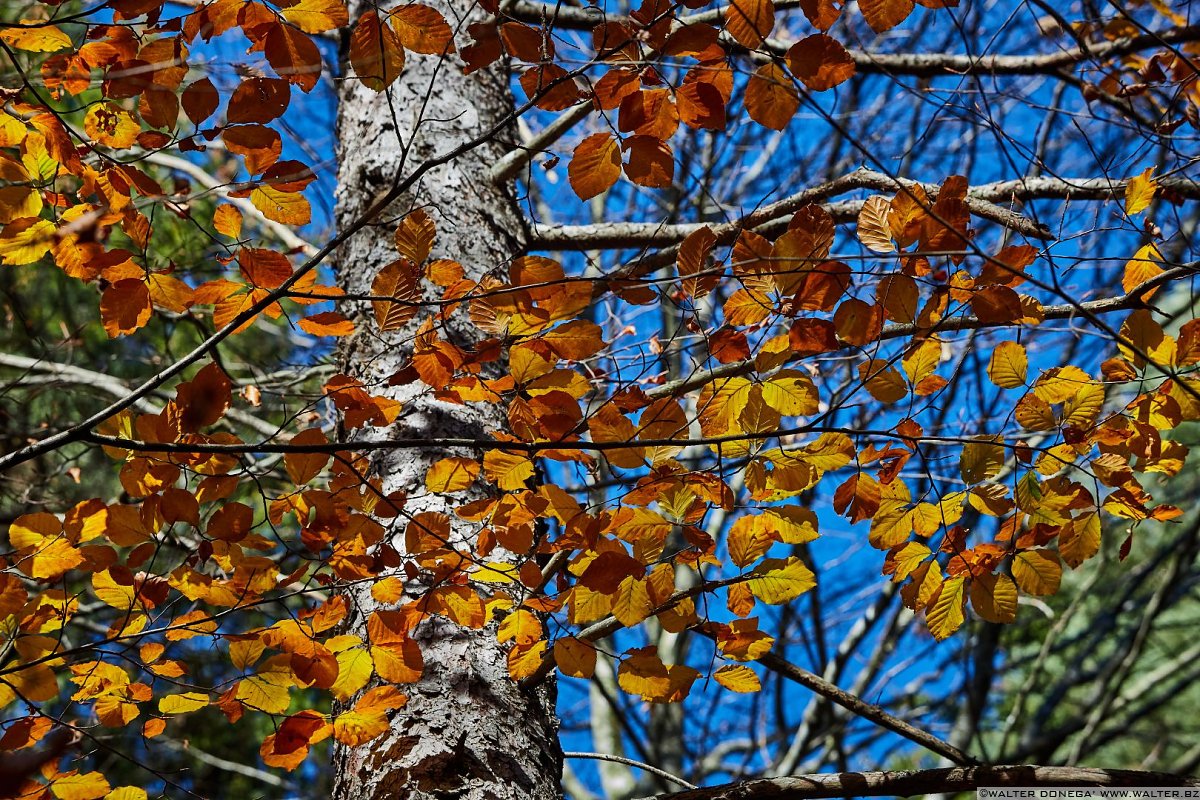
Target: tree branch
{"x": 928, "y": 781}
{"x": 982, "y": 200}
{"x": 563, "y": 17}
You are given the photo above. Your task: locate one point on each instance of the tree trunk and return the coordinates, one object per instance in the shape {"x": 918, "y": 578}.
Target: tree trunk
{"x": 467, "y": 731}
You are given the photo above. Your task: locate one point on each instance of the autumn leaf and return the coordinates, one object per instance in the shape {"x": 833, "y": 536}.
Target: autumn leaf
{"x": 183, "y": 703}
{"x": 771, "y": 101}
{"x": 873, "y": 228}
{"x": 778, "y": 580}
{"x": 883, "y": 15}
{"x": 423, "y": 29}
{"x": 303, "y": 467}
{"x": 289, "y": 208}
{"x": 1139, "y": 192}
{"x": 595, "y": 165}
{"x": 945, "y": 613}
{"x": 369, "y": 717}
{"x": 111, "y": 126}
{"x": 451, "y": 475}
{"x": 575, "y": 658}
{"x": 738, "y": 678}
{"x": 1037, "y": 572}
{"x": 25, "y": 240}
{"x": 821, "y": 62}
{"x": 1008, "y": 365}
{"x": 1141, "y": 268}
{"x": 376, "y": 52}
{"x": 317, "y": 16}
{"x": 80, "y": 786}
{"x": 750, "y": 21}
{"x": 39, "y": 37}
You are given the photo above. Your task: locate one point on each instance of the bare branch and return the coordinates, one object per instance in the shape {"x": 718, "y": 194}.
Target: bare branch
{"x": 928, "y": 781}
{"x": 982, "y": 200}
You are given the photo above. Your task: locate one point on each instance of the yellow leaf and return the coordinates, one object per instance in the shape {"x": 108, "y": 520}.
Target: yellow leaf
{"x": 524, "y": 661}
{"x": 354, "y": 670}
{"x": 575, "y": 658}
{"x": 779, "y": 580}
{"x": 114, "y": 594}
{"x": 1034, "y": 414}
{"x": 749, "y": 538}
{"x": 631, "y": 603}
{"x": 267, "y": 690}
{"x": 508, "y": 471}
{"x": 1081, "y": 409}
{"x": 1141, "y": 268}
{"x": 994, "y": 597}
{"x": 51, "y": 559}
{"x": 883, "y": 382}
{"x": 126, "y": 793}
{"x": 1037, "y": 572}
{"x": 399, "y": 662}
{"x": 1009, "y": 365}
{"x": 644, "y": 674}
{"x": 945, "y": 614}
{"x": 369, "y": 717}
{"x": 111, "y": 126}
{"x": 1080, "y": 540}
{"x": 1139, "y": 192}
{"x": 791, "y": 393}
{"x": 75, "y": 786}
{"x": 289, "y": 208}
{"x": 227, "y": 220}
{"x": 25, "y": 240}
{"x": 982, "y": 459}
{"x": 317, "y": 16}
{"x": 738, "y": 678}
{"x": 45, "y": 38}
{"x": 182, "y": 703}
{"x": 521, "y": 627}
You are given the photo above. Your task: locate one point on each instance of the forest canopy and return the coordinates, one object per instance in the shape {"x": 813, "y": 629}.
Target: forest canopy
{"x": 510, "y": 399}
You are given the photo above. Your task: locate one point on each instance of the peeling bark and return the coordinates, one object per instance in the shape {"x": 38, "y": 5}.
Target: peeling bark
{"x": 467, "y": 731}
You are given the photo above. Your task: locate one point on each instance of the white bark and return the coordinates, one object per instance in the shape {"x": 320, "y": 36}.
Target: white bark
{"x": 467, "y": 730}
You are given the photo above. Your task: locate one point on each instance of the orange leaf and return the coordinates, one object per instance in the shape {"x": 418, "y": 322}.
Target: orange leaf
{"x": 303, "y": 467}
{"x": 293, "y": 56}
{"x": 125, "y": 307}
{"x": 651, "y": 162}
{"x": 327, "y": 323}
{"x": 771, "y": 100}
{"x": 820, "y": 62}
{"x": 414, "y": 236}
{"x": 376, "y": 52}
{"x": 400, "y": 280}
{"x": 750, "y": 21}
{"x": 595, "y": 165}
{"x": 423, "y": 29}
{"x": 451, "y": 475}
{"x": 883, "y": 15}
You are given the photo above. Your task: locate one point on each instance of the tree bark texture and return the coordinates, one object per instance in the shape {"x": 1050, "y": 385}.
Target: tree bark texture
{"x": 468, "y": 731}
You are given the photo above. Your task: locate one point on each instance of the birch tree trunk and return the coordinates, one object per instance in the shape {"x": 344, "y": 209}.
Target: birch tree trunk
{"x": 467, "y": 731}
